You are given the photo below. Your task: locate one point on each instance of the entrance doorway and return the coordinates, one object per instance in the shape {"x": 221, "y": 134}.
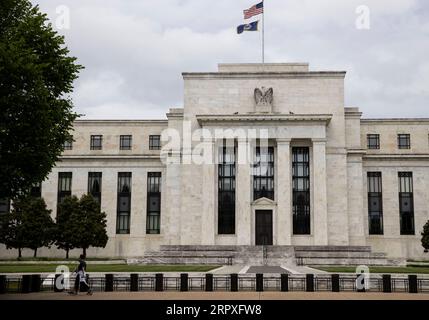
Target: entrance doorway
{"x": 263, "y": 227}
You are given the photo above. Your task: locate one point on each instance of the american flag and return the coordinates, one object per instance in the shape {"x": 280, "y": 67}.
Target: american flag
{"x": 254, "y": 11}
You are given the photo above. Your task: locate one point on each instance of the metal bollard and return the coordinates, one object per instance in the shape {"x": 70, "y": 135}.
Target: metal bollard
{"x": 284, "y": 282}
{"x": 134, "y": 282}
{"x": 159, "y": 282}
{"x": 362, "y": 282}
{"x": 309, "y": 282}
{"x": 183, "y": 282}
{"x": 26, "y": 283}
{"x": 56, "y": 281}
{"x": 387, "y": 283}
{"x": 335, "y": 282}
{"x": 234, "y": 282}
{"x": 259, "y": 282}
{"x": 412, "y": 283}
{"x": 2, "y": 284}
{"x": 108, "y": 285}
{"x": 209, "y": 282}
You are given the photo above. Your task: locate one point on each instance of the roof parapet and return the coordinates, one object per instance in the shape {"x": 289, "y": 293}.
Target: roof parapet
{"x": 262, "y": 67}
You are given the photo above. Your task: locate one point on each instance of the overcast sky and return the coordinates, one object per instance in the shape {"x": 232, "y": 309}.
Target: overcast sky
{"x": 135, "y": 50}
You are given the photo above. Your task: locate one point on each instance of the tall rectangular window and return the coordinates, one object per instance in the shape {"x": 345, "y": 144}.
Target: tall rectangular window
{"x": 375, "y": 203}
{"x": 124, "y": 203}
{"x": 36, "y": 190}
{"x": 125, "y": 142}
{"x": 96, "y": 142}
{"x": 4, "y": 205}
{"x": 94, "y": 185}
{"x": 226, "y": 190}
{"x": 153, "y": 217}
{"x": 406, "y": 203}
{"x": 373, "y": 141}
{"x": 404, "y": 141}
{"x": 154, "y": 142}
{"x": 301, "y": 190}
{"x": 68, "y": 144}
{"x": 64, "y": 186}
{"x": 263, "y": 173}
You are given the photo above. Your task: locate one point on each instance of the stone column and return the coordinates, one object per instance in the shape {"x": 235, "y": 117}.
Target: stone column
{"x": 243, "y": 226}
{"x": 208, "y": 221}
{"x": 172, "y": 193}
{"x": 320, "y": 211}
{"x": 356, "y": 213}
{"x": 284, "y": 193}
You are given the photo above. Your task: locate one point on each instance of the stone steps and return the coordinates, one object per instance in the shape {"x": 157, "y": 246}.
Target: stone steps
{"x": 198, "y": 248}
{"x": 189, "y": 254}
{"x": 338, "y": 254}
{"x": 268, "y": 255}
{"x": 334, "y": 248}
{"x": 183, "y": 260}
{"x": 342, "y": 255}
{"x": 346, "y": 262}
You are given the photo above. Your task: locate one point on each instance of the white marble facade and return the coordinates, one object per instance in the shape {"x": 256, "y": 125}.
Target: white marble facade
{"x": 307, "y": 110}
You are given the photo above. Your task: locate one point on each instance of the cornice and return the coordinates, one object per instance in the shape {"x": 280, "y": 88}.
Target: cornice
{"x": 88, "y": 122}
{"x": 82, "y": 157}
{"x": 204, "y": 119}
{"x": 396, "y": 121}
{"x": 263, "y": 75}
{"x": 400, "y": 157}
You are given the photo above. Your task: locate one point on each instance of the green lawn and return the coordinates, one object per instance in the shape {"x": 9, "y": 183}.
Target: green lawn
{"x": 35, "y": 268}
{"x": 73, "y": 259}
{"x": 351, "y": 269}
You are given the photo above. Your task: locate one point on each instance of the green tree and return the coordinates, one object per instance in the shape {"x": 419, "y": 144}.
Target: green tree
{"x": 28, "y": 225}
{"x": 63, "y": 230}
{"x": 12, "y": 231}
{"x": 425, "y": 237}
{"x": 36, "y": 79}
{"x": 39, "y": 226}
{"x": 89, "y": 224}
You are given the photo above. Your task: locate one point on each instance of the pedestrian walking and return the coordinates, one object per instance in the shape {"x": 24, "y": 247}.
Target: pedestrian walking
{"x": 80, "y": 283}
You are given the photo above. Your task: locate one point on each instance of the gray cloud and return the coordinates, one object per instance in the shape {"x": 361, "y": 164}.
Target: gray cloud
{"x": 134, "y": 51}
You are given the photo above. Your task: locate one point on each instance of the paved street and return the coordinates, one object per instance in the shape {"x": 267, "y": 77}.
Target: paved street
{"x": 291, "y": 269}
{"x": 266, "y": 269}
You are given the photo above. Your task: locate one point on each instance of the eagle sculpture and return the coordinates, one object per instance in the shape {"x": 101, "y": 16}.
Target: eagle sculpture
{"x": 263, "y": 96}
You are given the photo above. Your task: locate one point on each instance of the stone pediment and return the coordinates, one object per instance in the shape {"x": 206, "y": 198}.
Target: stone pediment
{"x": 264, "y": 202}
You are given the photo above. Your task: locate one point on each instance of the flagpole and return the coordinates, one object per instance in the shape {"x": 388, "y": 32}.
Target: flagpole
{"x": 263, "y": 33}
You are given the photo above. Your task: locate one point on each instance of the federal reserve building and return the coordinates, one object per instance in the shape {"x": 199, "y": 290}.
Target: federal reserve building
{"x": 263, "y": 164}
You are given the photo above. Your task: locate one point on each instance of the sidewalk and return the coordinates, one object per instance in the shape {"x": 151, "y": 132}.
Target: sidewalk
{"x": 219, "y": 296}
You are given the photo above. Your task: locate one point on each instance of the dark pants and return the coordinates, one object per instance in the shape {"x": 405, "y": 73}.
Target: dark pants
{"x": 81, "y": 286}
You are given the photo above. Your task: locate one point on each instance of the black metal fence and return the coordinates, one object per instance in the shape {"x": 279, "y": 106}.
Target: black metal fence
{"x": 213, "y": 282}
